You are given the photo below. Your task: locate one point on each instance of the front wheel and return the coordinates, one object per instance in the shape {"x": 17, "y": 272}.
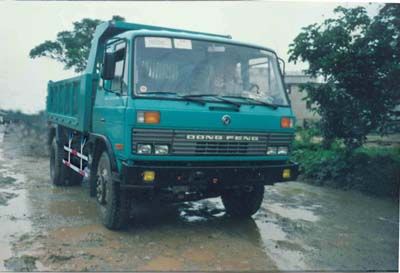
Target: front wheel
{"x": 112, "y": 203}
{"x": 243, "y": 202}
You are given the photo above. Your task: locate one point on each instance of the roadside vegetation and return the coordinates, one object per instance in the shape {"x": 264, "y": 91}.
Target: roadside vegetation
{"x": 356, "y": 58}
{"x": 29, "y": 130}
{"x": 372, "y": 169}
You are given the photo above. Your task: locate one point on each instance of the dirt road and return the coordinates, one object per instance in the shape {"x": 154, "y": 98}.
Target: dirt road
{"x": 299, "y": 227}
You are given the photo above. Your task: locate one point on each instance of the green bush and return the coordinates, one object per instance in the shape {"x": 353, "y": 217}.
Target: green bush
{"x": 357, "y": 56}
{"x": 374, "y": 171}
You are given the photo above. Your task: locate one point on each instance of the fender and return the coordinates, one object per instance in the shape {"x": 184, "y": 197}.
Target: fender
{"x": 95, "y": 138}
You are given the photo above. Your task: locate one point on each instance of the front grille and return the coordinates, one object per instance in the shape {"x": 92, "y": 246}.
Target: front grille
{"x": 184, "y": 142}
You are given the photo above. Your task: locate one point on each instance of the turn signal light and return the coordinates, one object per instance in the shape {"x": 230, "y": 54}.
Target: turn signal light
{"x": 286, "y": 122}
{"x": 149, "y": 117}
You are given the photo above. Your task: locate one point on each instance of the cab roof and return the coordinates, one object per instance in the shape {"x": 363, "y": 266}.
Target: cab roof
{"x": 128, "y": 30}
{"x": 187, "y": 35}
{"x": 120, "y": 29}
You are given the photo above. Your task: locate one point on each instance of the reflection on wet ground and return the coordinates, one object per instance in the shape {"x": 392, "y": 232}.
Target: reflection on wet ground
{"x": 298, "y": 227}
{"x": 337, "y": 230}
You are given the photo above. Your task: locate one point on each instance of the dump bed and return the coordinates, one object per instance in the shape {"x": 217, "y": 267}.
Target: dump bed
{"x": 69, "y": 102}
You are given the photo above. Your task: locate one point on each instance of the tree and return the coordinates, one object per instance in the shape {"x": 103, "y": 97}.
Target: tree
{"x": 358, "y": 58}
{"x": 71, "y": 47}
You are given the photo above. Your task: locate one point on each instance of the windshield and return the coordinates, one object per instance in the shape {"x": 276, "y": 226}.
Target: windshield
{"x": 183, "y": 67}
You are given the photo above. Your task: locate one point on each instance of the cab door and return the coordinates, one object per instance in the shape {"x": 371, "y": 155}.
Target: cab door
{"x": 112, "y": 95}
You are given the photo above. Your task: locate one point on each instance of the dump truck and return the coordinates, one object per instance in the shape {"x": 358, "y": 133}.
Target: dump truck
{"x": 165, "y": 115}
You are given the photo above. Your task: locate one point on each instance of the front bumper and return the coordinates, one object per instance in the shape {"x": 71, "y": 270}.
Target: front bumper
{"x": 213, "y": 174}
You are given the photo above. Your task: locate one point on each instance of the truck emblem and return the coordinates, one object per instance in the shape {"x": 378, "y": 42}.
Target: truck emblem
{"x": 223, "y": 137}
{"x": 226, "y": 120}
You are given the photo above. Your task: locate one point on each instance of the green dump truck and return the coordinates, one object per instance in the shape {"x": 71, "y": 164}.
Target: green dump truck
{"x": 167, "y": 115}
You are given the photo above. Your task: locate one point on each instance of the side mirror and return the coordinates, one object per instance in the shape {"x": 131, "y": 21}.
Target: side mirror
{"x": 108, "y": 70}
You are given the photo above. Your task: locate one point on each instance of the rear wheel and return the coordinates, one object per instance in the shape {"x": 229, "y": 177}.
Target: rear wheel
{"x": 243, "y": 202}
{"x": 58, "y": 171}
{"x": 112, "y": 203}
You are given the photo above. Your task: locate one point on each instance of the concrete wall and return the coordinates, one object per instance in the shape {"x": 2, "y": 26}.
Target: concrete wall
{"x": 293, "y": 81}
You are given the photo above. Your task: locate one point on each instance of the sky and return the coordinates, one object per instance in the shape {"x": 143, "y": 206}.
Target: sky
{"x": 23, "y": 25}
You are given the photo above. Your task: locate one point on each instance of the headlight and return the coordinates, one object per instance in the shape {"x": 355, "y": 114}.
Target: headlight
{"x": 143, "y": 149}
{"x": 271, "y": 151}
{"x": 161, "y": 149}
{"x": 283, "y": 150}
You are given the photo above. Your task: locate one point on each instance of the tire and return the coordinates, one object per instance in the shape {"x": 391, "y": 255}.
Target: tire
{"x": 58, "y": 171}
{"x": 92, "y": 179}
{"x": 112, "y": 203}
{"x": 243, "y": 203}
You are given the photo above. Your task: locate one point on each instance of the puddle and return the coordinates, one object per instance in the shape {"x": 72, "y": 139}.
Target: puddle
{"x": 13, "y": 207}
{"x": 5, "y": 197}
{"x": 304, "y": 227}
{"x": 299, "y": 213}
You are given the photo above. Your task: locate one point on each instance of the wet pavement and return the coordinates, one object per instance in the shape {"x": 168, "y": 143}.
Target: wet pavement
{"x": 299, "y": 227}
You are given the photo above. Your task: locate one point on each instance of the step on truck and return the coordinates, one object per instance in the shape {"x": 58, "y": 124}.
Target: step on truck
{"x": 169, "y": 115}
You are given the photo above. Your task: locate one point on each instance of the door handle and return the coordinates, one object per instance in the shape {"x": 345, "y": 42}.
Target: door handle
{"x": 102, "y": 119}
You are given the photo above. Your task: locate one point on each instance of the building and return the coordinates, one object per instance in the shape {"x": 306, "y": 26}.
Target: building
{"x": 293, "y": 80}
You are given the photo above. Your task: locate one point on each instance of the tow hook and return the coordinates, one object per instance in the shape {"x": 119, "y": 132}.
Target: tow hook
{"x": 197, "y": 176}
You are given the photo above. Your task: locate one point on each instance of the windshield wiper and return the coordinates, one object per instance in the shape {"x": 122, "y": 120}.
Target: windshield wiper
{"x": 273, "y": 106}
{"x": 214, "y": 96}
{"x": 176, "y": 94}
{"x": 193, "y": 99}
{"x": 159, "y": 93}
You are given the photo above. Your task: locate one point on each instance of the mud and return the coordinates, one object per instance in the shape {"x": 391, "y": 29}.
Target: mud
{"x": 5, "y": 196}
{"x": 298, "y": 227}
{"x": 23, "y": 263}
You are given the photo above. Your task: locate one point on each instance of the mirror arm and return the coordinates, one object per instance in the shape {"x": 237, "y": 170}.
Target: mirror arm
{"x": 283, "y": 66}
{"x": 105, "y": 88}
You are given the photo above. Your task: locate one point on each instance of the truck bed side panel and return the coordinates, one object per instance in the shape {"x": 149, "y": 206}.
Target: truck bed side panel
{"x": 68, "y": 102}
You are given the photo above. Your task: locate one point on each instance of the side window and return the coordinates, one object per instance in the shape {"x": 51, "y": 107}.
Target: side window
{"x": 120, "y": 83}
{"x": 265, "y": 75}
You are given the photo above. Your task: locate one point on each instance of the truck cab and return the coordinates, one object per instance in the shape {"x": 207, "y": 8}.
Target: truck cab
{"x": 168, "y": 115}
